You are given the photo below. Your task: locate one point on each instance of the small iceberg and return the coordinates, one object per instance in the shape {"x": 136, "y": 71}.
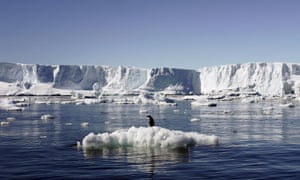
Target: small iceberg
{"x": 147, "y": 137}
{"x": 10, "y": 119}
{"x": 195, "y": 120}
{"x": 14, "y": 109}
{"x": 47, "y": 116}
{"x": 288, "y": 105}
{"x": 203, "y": 103}
{"x": 4, "y": 123}
{"x": 84, "y": 124}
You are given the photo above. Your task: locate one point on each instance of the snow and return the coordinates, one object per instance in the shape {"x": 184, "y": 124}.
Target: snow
{"x": 147, "y": 137}
{"x": 236, "y": 80}
{"x": 268, "y": 79}
{"x": 126, "y": 79}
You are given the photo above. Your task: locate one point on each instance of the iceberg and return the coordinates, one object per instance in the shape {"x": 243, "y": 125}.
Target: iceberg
{"x": 16, "y": 79}
{"x": 269, "y": 79}
{"x": 266, "y": 79}
{"x": 147, "y": 137}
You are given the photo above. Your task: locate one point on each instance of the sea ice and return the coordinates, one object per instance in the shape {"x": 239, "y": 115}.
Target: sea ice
{"x": 47, "y": 117}
{"x": 147, "y": 137}
{"x": 4, "y": 123}
{"x": 195, "y": 120}
{"x": 84, "y": 124}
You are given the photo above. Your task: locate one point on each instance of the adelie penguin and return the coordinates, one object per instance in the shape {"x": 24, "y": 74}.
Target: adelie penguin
{"x": 150, "y": 121}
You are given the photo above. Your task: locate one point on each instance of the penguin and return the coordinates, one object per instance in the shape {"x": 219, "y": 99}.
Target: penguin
{"x": 150, "y": 121}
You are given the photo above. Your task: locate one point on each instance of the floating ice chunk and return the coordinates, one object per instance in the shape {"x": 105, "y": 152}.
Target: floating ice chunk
{"x": 176, "y": 110}
{"x": 4, "y": 123}
{"x": 22, "y": 104}
{"x": 79, "y": 103}
{"x": 161, "y": 99}
{"x": 195, "y": 119}
{"x": 248, "y": 100}
{"x": 227, "y": 111}
{"x": 268, "y": 110}
{"x": 216, "y": 97}
{"x": 144, "y": 98}
{"x": 84, "y": 124}
{"x": 14, "y": 108}
{"x": 147, "y": 137}
{"x": 78, "y": 144}
{"x": 205, "y": 103}
{"x": 10, "y": 119}
{"x": 47, "y": 116}
{"x": 9, "y": 105}
{"x": 289, "y": 105}
{"x": 143, "y": 111}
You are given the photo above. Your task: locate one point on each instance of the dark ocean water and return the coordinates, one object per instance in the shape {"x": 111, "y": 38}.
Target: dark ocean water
{"x": 256, "y": 142}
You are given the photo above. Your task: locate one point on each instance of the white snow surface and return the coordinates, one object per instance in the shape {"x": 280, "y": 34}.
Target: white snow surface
{"x": 265, "y": 78}
{"x": 147, "y": 137}
{"x": 268, "y": 79}
{"x": 35, "y": 79}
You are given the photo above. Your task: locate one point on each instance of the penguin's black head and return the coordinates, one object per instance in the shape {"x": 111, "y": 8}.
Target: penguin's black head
{"x": 150, "y": 121}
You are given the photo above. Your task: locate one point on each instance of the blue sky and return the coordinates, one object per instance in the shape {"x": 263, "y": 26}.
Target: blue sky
{"x": 149, "y": 33}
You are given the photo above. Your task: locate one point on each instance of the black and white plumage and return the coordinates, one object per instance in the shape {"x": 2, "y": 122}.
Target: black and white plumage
{"x": 150, "y": 121}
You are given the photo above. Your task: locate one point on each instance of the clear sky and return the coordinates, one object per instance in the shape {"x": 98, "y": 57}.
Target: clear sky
{"x": 149, "y": 33}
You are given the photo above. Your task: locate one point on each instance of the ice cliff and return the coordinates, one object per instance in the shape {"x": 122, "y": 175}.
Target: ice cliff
{"x": 63, "y": 79}
{"x": 270, "y": 79}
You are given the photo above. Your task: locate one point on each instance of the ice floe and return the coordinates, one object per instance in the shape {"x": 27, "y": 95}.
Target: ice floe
{"x": 47, "y": 117}
{"x": 147, "y": 137}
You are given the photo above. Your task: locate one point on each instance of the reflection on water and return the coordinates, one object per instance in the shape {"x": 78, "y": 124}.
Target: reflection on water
{"x": 235, "y": 122}
{"x": 148, "y": 160}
